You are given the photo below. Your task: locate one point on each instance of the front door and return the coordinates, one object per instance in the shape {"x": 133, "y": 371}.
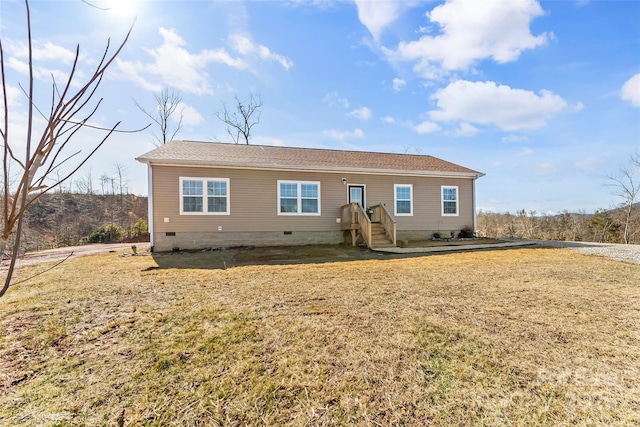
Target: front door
{"x": 356, "y": 194}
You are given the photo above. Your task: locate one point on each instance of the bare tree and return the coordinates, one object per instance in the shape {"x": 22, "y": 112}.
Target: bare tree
{"x": 168, "y": 103}
{"x": 626, "y": 185}
{"x": 85, "y": 184}
{"x": 70, "y": 111}
{"x": 242, "y": 119}
{"x": 104, "y": 180}
{"x": 121, "y": 171}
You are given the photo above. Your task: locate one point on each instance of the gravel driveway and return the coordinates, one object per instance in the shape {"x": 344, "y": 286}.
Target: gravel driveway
{"x": 620, "y": 252}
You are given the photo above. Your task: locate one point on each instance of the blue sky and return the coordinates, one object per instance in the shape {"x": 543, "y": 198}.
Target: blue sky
{"x": 543, "y": 97}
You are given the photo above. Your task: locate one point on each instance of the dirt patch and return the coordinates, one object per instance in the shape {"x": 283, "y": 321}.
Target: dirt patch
{"x": 292, "y": 254}
{"x": 230, "y": 257}
{"x": 58, "y": 254}
{"x": 222, "y": 258}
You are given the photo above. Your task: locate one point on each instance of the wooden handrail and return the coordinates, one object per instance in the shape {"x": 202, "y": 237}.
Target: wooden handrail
{"x": 354, "y": 218}
{"x": 364, "y": 222}
{"x": 388, "y": 223}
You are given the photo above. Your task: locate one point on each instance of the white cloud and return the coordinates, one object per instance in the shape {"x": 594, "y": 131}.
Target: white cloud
{"x": 526, "y": 152}
{"x": 52, "y": 52}
{"x": 362, "y": 113}
{"x": 332, "y": 99}
{"x": 41, "y": 51}
{"x": 17, "y": 55}
{"x": 377, "y": 15}
{"x": 42, "y": 73}
{"x": 398, "y": 84}
{"x": 177, "y": 67}
{"x": 546, "y": 168}
{"x": 388, "y": 119}
{"x": 321, "y": 4}
{"x": 426, "y": 127}
{"x": 17, "y": 102}
{"x": 344, "y": 135}
{"x": 590, "y": 164}
{"x": 190, "y": 116}
{"x": 631, "y": 90}
{"x": 133, "y": 71}
{"x": 487, "y": 103}
{"x": 512, "y": 138}
{"x": 466, "y": 129}
{"x": 14, "y": 96}
{"x": 244, "y": 46}
{"x": 471, "y": 32}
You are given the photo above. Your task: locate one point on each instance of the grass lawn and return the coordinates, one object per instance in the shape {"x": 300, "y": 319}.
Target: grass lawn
{"x": 527, "y": 337}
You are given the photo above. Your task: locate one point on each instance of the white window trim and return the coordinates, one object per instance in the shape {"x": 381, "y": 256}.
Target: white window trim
{"x": 442, "y": 200}
{"x": 395, "y": 200}
{"x": 299, "y": 197}
{"x": 205, "y": 203}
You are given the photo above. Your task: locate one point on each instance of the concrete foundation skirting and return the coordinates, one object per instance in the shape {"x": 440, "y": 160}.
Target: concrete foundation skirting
{"x": 194, "y": 241}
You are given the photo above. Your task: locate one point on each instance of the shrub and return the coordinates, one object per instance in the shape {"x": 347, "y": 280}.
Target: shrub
{"x": 466, "y": 233}
{"x": 104, "y": 234}
{"x": 140, "y": 228}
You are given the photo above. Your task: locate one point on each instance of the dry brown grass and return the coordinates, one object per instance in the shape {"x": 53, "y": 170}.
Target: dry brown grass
{"x": 518, "y": 337}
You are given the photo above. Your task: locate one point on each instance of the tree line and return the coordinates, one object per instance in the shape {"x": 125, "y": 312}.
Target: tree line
{"x": 604, "y": 226}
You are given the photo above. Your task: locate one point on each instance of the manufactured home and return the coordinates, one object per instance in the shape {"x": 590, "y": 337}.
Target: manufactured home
{"x": 204, "y": 194}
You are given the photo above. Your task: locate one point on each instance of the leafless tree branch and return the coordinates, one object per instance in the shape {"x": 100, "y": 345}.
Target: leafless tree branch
{"x": 167, "y": 103}
{"x": 70, "y": 111}
{"x": 241, "y": 121}
{"x": 626, "y": 185}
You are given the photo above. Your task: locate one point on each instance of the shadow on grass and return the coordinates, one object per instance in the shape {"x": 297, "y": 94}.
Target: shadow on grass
{"x": 274, "y": 255}
{"x": 279, "y": 255}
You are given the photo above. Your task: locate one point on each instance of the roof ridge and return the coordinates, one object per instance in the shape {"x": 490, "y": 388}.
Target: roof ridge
{"x": 307, "y": 148}
{"x": 222, "y": 154}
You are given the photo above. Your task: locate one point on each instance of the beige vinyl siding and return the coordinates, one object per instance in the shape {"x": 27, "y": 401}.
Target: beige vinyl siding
{"x": 427, "y": 200}
{"x": 253, "y": 201}
{"x": 427, "y": 205}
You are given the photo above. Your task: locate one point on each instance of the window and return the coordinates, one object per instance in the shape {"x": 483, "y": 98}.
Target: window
{"x": 208, "y": 196}
{"x": 298, "y": 198}
{"x": 403, "y": 199}
{"x": 449, "y": 201}
{"x": 217, "y": 196}
{"x": 191, "y": 196}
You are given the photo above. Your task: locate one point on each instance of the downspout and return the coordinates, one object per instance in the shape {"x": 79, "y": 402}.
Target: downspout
{"x": 150, "y": 203}
{"x": 473, "y": 191}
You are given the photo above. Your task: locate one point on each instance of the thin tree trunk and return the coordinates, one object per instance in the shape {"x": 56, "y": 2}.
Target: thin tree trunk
{"x": 627, "y": 224}
{"x": 27, "y": 164}
{"x": 14, "y": 256}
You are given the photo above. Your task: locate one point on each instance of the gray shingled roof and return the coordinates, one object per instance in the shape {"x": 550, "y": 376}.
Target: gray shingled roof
{"x": 271, "y": 157}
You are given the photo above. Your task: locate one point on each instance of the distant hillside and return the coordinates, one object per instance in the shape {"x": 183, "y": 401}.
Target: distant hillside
{"x": 604, "y": 225}
{"x": 65, "y": 219}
